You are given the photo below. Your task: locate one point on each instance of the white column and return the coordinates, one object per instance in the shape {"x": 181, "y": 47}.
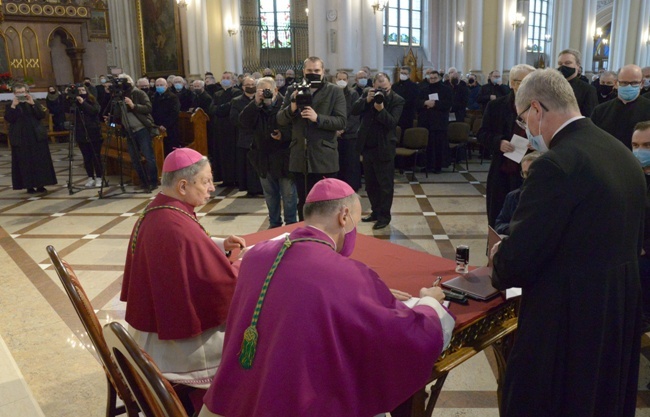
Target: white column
{"x": 474, "y": 36}
{"x": 618, "y": 39}
{"x": 587, "y": 37}
{"x": 459, "y": 54}
{"x": 561, "y": 30}
{"x": 318, "y": 32}
{"x": 124, "y": 33}
{"x": 197, "y": 37}
{"x": 232, "y": 47}
{"x": 642, "y": 53}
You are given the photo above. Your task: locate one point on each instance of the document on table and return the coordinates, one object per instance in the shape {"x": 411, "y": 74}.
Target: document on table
{"x": 521, "y": 147}
{"x": 433, "y": 97}
{"x": 410, "y": 303}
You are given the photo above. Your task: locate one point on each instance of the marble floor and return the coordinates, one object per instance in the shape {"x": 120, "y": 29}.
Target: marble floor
{"x": 47, "y": 366}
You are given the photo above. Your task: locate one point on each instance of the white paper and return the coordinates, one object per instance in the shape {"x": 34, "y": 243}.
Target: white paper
{"x": 513, "y": 292}
{"x": 433, "y": 97}
{"x": 452, "y": 117}
{"x": 410, "y": 303}
{"x": 521, "y": 147}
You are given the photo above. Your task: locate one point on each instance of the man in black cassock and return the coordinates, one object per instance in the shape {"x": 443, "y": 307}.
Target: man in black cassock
{"x": 619, "y": 116}
{"x": 31, "y": 162}
{"x": 573, "y": 248}
{"x": 586, "y": 96}
{"x": 223, "y": 144}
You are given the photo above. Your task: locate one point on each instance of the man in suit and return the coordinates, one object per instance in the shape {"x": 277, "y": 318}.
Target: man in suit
{"x": 314, "y": 127}
{"x": 434, "y": 104}
{"x": 573, "y": 248}
{"x": 376, "y": 141}
{"x": 409, "y": 91}
{"x": 586, "y": 96}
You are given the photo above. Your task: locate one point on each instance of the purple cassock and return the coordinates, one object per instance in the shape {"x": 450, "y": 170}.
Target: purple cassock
{"x": 333, "y": 340}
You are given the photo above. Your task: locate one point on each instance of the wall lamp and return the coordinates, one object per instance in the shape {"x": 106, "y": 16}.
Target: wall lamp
{"x": 460, "y": 26}
{"x": 232, "y": 32}
{"x": 182, "y": 4}
{"x": 518, "y": 21}
{"x": 379, "y": 6}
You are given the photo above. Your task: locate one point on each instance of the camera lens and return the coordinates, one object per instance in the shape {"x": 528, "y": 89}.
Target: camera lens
{"x": 267, "y": 93}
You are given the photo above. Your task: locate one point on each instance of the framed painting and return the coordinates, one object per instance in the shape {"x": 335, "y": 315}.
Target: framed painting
{"x": 161, "y": 52}
{"x": 99, "y": 26}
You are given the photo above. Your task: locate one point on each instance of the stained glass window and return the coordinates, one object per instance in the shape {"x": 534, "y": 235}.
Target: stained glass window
{"x": 275, "y": 19}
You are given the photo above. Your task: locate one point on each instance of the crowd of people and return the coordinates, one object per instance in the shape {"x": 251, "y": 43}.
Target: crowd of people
{"x": 572, "y": 213}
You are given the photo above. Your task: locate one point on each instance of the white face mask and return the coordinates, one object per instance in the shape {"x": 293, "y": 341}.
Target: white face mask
{"x": 403, "y": 77}
{"x": 537, "y": 142}
{"x": 342, "y": 83}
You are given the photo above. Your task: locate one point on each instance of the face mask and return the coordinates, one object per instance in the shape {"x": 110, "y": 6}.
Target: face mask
{"x": 605, "y": 90}
{"x": 455, "y": 81}
{"x": 349, "y": 241}
{"x": 537, "y": 142}
{"x": 152, "y": 85}
{"x": 342, "y": 83}
{"x": 178, "y": 86}
{"x": 403, "y": 77}
{"x": 427, "y": 76}
{"x": 646, "y": 83}
{"x": 629, "y": 92}
{"x": 226, "y": 83}
{"x": 250, "y": 90}
{"x": 87, "y": 83}
{"x": 102, "y": 80}
{"x": 51, "y": 92}
{"x": 472, "y": 81}
{"x": 643, "y": 155}
{"x": 145, "y": 89}
{"x": 496, "y": 80}
{"x": 279, "y": 83}
{"x": 313, "y": 78}
{"x": 198, "y": 92}
{"x": 84, "y": 96}
{"x": 567, "y": 71}
{"x": 160, "y": 90}
{"x": 289, "y": 80}
{"x": 362, "y": 82}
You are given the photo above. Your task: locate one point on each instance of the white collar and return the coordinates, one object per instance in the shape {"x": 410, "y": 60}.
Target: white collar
{"x": 571, "y": 120}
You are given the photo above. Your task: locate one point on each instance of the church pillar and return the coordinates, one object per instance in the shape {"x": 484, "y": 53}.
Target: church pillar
{"x": 621, "y": 21}
{"x": 589, "y": 11}
{"x": 642, "y": 52}
{"x": 562, "y": 30}
{"x": 196, "y": 23}
{"x": 231, "y": 44}
{"x": 124, "y": 34}
{"x": 473, "y": 37}
{"x": 77, "y": 61}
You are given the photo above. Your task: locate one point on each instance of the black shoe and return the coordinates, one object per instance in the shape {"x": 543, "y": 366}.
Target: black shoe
{"x": 381, "y": 224}
{"x": 370, "y": 218}
{"x": 31, "y": 191}
{"x": 41, "y": 190}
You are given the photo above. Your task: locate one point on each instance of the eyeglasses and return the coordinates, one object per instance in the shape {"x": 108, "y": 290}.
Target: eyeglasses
{"x": 632, "y": 83}
{"x": 520, "y": 121}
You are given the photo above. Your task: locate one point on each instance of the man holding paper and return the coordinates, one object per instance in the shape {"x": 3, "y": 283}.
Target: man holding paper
{"x": 507, "y": 143}
{"x": 434, "y": 104}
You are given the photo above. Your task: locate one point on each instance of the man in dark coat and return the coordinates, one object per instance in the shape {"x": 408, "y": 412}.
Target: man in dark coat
{"x": 573, "y": 248}
{"x": 201, "y": 99}
{"x": 606, "y": 87}
{"x": 459, "y": 96}
{"x": 409, "y": 91}
{"x": 492, "y": 89}
{"x": 317, "y": 126}
{"x": 55, "y": 103}
{"x": 223, "y": 145}
{"x": 569, "y": 65}
{"x": 31, "y": 162}
{"x": 619, "y": 116}
{"x": 434, "y": 104}
{"x": 184, "y": 95}
{"x": 165, "y": 108}
{"x": 247, "y": 178}
{"x": 376, "y": 141}
{"x": 349, "y": 157}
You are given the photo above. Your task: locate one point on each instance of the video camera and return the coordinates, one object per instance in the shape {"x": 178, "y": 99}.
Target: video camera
{"x": 380, "y": 95}
{"x": 118, "y": 86}
{"x": 71, "y": 93}
{"x": 303, "y": 95}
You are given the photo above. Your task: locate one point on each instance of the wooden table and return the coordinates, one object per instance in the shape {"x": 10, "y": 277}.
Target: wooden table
{"x": 478, "y": 325}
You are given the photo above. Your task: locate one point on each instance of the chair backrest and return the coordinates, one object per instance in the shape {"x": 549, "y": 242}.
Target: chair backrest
{"x": 476, "y": 125}
{"x": 458, "y": 132}
{"x": 398, "y": 132}
{"x": 416, "y": 138}
{"x": 151, "y": 390}
{"x": 91, "y": 323}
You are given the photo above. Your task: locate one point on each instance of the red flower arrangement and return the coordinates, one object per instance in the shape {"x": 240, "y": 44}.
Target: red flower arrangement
{"x": 6, "y": 82}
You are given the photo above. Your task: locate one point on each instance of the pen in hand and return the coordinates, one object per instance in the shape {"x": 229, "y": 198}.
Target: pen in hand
{"x": 437, "y": 281}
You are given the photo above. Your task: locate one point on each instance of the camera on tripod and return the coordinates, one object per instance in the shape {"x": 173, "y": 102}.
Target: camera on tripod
{"x": 303, "y": 95}
{"x": 71, "y": 93}
{"x": 380, "y": 95}
{"x": 118, "y": 86}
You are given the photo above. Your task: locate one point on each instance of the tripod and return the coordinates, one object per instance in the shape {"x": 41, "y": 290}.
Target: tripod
{"x": 119, "y": 133}
{"x": 71, "y": 143}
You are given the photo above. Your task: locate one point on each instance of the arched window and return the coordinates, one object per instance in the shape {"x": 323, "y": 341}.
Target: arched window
{"x": 403, "y": 23}
{"x": 539, "y": 30}
{"x": 275, "y": 20}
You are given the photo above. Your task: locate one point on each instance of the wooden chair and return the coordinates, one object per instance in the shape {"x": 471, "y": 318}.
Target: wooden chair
{"x": 153, "y": 393}
{"x": 473, "y": 138}
{"x": 115, "y": 382}
{"x": 414, "y": 143}
{"x": 458, "y": 134}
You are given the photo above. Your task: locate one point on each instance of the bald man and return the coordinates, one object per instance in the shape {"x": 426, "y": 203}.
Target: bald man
{"x": 619, "y": 116}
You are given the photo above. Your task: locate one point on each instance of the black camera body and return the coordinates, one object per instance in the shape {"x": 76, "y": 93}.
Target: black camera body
{"x": 267, "y": 93}
{"x": 303, "y": 95}
{"x": 71, "y": 92}
{"x": 380, "y": 95}
{"x": 118, "y": 86}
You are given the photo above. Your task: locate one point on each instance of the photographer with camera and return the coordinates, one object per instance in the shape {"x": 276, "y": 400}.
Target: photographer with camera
{"x": 315, "y": 110}
{"x": 86, "y": 131}
{"x": 133, "y": 108}
{"x": 269, "y": 154}
{"x": 380, "y": 110}
{"x": 31, "y": 162}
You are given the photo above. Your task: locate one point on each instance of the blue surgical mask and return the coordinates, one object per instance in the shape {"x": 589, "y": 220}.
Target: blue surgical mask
{"x": 496, "y": 80}
{"x": 643, "y": 155}
{"x": 226, "y": 83}
{"x": 362, "y": 82}
{"x": 102, "y": 80}
{"x": 629, "y": 92}
{"x": 646, "y": 82}
{"x": 537, "y": 142}
{"x": 160, "y": 90}
{"x": 178, "y": 86}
